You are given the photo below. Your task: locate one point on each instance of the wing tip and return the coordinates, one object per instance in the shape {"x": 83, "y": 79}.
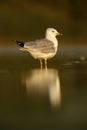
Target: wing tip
{"x": 21, "y": 44}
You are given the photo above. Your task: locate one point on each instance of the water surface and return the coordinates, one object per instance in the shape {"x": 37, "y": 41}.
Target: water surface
{"x": 31, "y": 98}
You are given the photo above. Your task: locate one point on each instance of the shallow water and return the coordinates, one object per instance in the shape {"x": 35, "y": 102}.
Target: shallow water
{"x": 55, "y": 98}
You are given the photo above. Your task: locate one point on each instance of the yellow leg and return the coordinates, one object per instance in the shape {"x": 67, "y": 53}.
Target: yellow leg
{"x": 41, "y": 65}
{"x": 45, "y": 63}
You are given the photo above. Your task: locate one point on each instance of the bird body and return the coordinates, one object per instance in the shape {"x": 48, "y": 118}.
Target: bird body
{"x": 43, "y": 48}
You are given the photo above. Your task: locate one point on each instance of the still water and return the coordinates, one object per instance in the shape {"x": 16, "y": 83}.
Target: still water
{"x": 53, "y": 98}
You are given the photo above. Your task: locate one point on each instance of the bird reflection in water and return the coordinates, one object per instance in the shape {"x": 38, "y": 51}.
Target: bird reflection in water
{"x": 45, "y": 81}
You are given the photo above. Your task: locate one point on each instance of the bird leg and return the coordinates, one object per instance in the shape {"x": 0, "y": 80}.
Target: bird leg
{"x": 45, "y": 63}
{"x": 41, "y": 65}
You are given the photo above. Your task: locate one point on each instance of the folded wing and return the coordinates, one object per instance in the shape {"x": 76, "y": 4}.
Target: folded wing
{"x": 43, "y": 46}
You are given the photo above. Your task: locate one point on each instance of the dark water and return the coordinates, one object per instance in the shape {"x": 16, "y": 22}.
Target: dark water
{"x": 55, "y": 98}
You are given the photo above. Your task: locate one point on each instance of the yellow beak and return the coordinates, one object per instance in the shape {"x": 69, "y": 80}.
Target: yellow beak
{"x": 59, "y": 34}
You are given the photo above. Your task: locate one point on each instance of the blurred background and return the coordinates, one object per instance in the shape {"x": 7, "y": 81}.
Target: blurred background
{"x": 55, "y": 98}
{"x": 28, "y": 19}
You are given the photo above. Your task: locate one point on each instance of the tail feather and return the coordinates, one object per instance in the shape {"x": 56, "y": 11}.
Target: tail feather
{"x": 21, "y": 44}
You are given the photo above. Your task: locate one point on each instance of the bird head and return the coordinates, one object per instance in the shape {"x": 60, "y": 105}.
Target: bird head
{"x": 52, "y": 32}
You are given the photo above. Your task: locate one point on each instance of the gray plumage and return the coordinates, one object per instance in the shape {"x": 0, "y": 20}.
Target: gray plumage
{"x": 42, "y": 45}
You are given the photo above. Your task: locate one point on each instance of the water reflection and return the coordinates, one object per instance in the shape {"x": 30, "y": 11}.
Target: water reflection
{"x": 45, "y": 82}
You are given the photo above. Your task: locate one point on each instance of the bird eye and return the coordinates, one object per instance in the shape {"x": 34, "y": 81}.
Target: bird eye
{"x": 52, "y": 30}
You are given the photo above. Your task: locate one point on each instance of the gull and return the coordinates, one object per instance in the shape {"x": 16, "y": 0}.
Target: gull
{"x": 42, "y": 49}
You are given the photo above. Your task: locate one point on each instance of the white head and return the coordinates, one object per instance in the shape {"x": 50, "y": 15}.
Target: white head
{"x": 51, "y": 32}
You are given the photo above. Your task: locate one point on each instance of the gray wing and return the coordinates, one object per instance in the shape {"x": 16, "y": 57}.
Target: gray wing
{"x": 43, "y": 45}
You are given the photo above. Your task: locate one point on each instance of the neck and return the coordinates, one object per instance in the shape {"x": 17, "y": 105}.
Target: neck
{"x": 53, "y": 39}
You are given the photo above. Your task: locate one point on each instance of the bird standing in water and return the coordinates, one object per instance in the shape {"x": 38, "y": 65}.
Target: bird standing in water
{"x": 42, "y": 49}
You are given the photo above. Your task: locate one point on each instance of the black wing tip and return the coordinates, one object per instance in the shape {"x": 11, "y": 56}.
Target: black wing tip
{"x": 21, "y": 44}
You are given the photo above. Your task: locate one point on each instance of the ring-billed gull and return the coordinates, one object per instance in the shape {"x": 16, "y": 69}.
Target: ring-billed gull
{"x": 43, "y": 48}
